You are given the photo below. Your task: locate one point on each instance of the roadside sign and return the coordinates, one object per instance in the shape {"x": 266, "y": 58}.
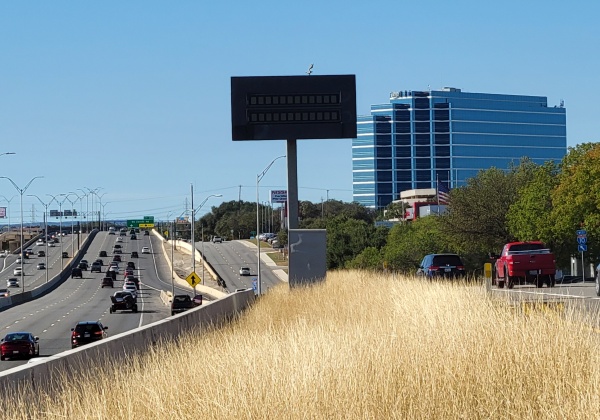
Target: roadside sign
{"x": 140, "y": 223}
{"x": 581, "y": 232}
{"x": 146, "y": 225}
{"x": 582, "y": 240}
{"x": 151, "y": 218}
{"x": 255, "y": 284}
{"x": 582, "y": 248}
{"x": 193, "y": 279}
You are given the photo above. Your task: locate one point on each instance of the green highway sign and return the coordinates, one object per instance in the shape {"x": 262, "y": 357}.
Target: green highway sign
{"x": 135, "y": 223}
{"x": 150, "y": 218}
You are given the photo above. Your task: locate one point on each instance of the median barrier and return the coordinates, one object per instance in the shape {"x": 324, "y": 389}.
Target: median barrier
{"x": 166, "y": 297}
{"x": 48, "y": 376}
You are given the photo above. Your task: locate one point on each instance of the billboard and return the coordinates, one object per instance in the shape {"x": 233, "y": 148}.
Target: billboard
{"x": 2, "y": 212}
{"x": 278, "y": 196}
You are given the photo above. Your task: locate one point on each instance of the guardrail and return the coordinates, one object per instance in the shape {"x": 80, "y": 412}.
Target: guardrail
{"x": 46, "y": 376}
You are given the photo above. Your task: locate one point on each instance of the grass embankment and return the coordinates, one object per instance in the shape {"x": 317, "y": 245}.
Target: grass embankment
{"x": 358, "y": 346}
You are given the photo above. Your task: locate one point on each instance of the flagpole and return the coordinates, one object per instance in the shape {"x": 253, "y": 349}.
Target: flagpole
{"x": 437, "y": 190}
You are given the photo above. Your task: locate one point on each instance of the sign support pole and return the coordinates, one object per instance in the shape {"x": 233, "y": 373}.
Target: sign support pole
{"x": 582, "y": 269}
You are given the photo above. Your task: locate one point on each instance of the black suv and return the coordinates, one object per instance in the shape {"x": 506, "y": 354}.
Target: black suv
{"x": 134, "y": 254}
{"x": 76, "y": 272}
{"x": 83, "y": 266}
{"x": 102, "y": 254}
{"x": 441, "y": 265}
{"x": 86, "y": 332}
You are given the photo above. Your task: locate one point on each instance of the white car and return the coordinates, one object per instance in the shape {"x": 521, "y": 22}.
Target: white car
{"x": 130, "y": 287}
{"x": 119, "y": 239}
{"x": 3, "y": 254}
{"x": 19, "y": 260}
{"x": 17, "y": 271}
{"x": 12, "y": 283}
{"x": 39, "y": 242}
{"x": 4, "y": 293}
{"x": 41, "y": 266}
{"x": 51, "y": 244}
{"x": 145, "y": 250}
{"x": 245, "y": 271}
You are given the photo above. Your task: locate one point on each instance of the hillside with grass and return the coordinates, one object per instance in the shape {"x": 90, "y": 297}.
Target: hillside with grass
{"x": 360, "y": 345}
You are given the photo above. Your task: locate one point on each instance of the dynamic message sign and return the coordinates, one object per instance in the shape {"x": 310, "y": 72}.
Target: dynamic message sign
{"x": 293, "y": 107}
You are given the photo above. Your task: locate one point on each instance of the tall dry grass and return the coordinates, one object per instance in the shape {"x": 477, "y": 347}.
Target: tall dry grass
{"x": 361, "y": 346}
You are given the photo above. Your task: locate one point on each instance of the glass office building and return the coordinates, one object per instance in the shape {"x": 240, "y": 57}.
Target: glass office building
{"x": 449, "y": 135}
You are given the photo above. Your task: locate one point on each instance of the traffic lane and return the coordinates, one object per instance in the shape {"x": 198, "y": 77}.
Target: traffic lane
{"x": 161, "y": 277}
{"x": 228, "y": 257}
{"x": 571, "y": 291}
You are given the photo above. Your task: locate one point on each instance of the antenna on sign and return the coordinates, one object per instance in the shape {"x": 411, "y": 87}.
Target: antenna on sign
{"x": 309, "y": 71}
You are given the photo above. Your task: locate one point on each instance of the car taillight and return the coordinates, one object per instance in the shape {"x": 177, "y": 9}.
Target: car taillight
{"x": 98, "y": 333}
{"x": 434, "y": 268}
{"x": 75, "y": 334}
{"x": 460, "y": 267}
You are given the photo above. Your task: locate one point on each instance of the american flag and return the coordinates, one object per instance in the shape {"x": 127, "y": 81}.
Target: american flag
{"x": 443, "y": 193}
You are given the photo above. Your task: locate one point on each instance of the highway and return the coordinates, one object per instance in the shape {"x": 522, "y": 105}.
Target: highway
{"x": 32, "y": 276}
{"x": 51, "y": 317}
{"x": 576, "y": 291}
{"x": 227, "y": 258}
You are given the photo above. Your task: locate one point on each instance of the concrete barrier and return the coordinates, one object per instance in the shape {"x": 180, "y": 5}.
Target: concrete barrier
{"x": 48, "y": 375}
{"x": 166, "y": 297}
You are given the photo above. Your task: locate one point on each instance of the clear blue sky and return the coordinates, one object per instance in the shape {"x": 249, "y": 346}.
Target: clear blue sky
{"x": 134, "y": 96}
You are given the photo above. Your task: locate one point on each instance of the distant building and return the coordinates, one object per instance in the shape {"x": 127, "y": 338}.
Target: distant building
{"x": 421, "y": 137}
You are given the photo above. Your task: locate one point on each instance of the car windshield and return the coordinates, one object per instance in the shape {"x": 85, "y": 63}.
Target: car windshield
{"x": 447, "y": 260}
{"x": 87, "y": 328}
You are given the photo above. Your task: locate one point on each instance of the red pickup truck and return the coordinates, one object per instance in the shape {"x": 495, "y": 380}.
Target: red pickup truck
{"x": 525, "y": 262}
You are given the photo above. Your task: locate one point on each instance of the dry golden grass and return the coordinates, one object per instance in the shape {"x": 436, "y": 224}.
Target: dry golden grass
{"x": 360, "y": 345}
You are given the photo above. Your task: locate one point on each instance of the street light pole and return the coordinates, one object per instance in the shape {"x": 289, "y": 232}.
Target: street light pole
{"x": 45, "y": 230}
{"x": 258, "y": 179}
{"x": 21, "y": 191}
{"x": 72, "y": 240}
{"x": 193, "y": 233}
{"x": 60, "y": 203}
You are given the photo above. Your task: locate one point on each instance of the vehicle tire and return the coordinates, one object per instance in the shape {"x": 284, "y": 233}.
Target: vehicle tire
{"x": 110, "y": 310}
{"x": 539, "y": 281}
{"x": 500, "y": 283}
{"x": 598, "y": 284}
{"x": 551, "y": 281}
{"x": 172, "y": 313}
{"x": 2, "y": 358}
{"x": 134, "y": 308}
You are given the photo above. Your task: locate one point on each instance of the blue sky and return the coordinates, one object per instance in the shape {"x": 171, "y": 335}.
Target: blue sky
{"x": 134, "y": 96}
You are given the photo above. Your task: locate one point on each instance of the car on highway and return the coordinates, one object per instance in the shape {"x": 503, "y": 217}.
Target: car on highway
{"x": 3, "y": 254}
{"x": 29, "y": 251}
{"x": 130, "y": 287}
{"x": 134, "y": 254}
{"x": 128, "y": 272}
{"x": 19, "y": 260}
{"x": 99, "y": 261}
{"x": 51, "y": 244}
{"x": 118, "y": 258}
{"x": 107, "y": 282}
{"x": 119, "y": 239}
{"x": 181, "y": 303}
{"x": 41, "y": 253}
{"x": 18, "y": 271}
{"x": 244, "y": 271}
{"x": 76, "y": 272}
{"x": 65, "y": 254}
{"x": 146, "y": 233}
{"x": 131, "y": 264}
{"x": 96, "y": 267}
{"x": 39, "y": 242}
{"x": 117, "y": 251}
{"x": 146, "y": 250}
{"x": 134, "y": 237}
{"x": 83, "y": 265}
{"x": 441, "y": 265}
{"x": 102, "y": 254}
{"x": 215, "y": 240}
{"x": 4, "y": 293}
{"x": 134, "y": 279}
{"x": 86, "y": 332}
{"x": 122, "y": 301}
{"x": 41, "y": 265}
{"x": 12, "y": 282}
{"x": 19, "y": 344}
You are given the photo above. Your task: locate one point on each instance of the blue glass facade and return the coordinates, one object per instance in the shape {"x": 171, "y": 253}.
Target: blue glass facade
{"x": 449, "y": 135}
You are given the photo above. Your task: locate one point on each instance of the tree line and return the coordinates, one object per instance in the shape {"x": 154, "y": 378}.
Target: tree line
{"x": 524, "y": 202}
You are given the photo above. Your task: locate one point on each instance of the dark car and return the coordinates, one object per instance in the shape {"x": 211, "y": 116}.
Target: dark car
{"x": 134, "y": 279}
{"x": 87, "y": 332}
{"x": 112, "y": 274}
{"x": 122, "y": 301}
{"x": 131, "y": 264}
{"x": 19, "y": 344}
{"x": 41, "y": 254}
{"x": 100, "y": 261}
{"x": 76, "y": 272}
{"x": 65, "y": 254}
{"x": 117, "y": 258}
{"x": 107, "y": 281}
{"x": 181, "y": 303}
{"x": 96, "y": 267}
{"x": 146, "y": 232}
{"x": 134, "y": 254}
{"x": 83, "y": 266}
{"x": 102, "y": 254}
{"x": 134, "y": 237}
{"x": 441, "y": 265}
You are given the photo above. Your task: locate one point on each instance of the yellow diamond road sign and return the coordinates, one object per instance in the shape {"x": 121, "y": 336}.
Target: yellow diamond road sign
{"x": 193, "y": 279}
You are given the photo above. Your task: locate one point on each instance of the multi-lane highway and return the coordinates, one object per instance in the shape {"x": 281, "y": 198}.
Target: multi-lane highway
{"x": 51, "y": 317}
{"x": 228, "y": 257}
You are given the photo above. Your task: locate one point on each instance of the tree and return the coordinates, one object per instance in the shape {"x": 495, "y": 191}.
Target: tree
{"x": 576, "y": 199}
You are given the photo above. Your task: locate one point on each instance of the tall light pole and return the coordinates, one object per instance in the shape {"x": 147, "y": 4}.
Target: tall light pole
{"x": 79, "y": 232}
{"x": 193, "y": 233}
{"x": 100, "y": 210}
{"x": 72, "y": 240}
{"x": 93, "y": 192}
{"x": 60, "y": 203}
{"x": 172, "y": 256}
{"x": 21, "y": 191}
{"x": 258, "y": 178}
{"x": 8, "y": 201}
{"x": 87, "y": 208}
{"x": 45, "y": 229}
